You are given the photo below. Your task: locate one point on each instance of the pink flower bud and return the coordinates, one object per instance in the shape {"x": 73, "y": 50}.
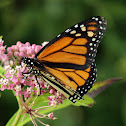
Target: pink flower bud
{"x": 9, "y": 49}
{"x": 33, "y": 56}
{"x": 52, "y": 91}
{"x": 22, "y": 54}
{"x": 30, "y": 51}
{"x": 51, "y": 116}
{"x": 23, "y": 49}
{"x": 19, "y": 44}
{"x": 38, "y": 48}
{"x": 33, "y": 46}
{"x": 1, "y": 42}
{"x": 16, "y": 53}
{"x": 27, "y": 44}
{"x": 5, "y": 58}
{"x": 13, "y": 47}
{"x": 10, "y": 53}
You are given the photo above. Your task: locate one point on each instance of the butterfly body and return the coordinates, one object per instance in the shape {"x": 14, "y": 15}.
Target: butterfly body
{"x": 68, "y": 59}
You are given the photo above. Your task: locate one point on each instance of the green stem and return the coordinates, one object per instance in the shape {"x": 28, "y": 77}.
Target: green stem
{"x": 19, "y": 101}
{"x": 17, "y": 117}
{"x": 18, "y": 112}
{"x": 21, "y": 104}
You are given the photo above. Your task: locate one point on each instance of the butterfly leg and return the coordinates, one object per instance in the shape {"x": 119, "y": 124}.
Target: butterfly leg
{"x": 25, "y": 74}
{"x": 37, "y": 81}
{"x": 38, "y": 84}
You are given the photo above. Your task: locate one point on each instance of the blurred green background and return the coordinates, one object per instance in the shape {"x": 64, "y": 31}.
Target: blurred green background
{"x": 41, "y": 20}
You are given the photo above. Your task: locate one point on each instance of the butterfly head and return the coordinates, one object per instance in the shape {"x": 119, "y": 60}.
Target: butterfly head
{"x": 27, "y": 61}
{"x": 32, "y": 62}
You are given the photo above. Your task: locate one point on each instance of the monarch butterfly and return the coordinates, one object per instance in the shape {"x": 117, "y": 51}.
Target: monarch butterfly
{"x": 67, "y": 62}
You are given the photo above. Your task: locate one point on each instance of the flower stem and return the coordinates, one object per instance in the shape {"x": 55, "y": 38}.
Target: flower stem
{"x": 17, "y": 117}
{"x": 21, "y": 104}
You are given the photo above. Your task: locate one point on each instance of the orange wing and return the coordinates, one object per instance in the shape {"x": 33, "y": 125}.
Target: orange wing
{"x": 76, "y": 47}
{"x": 70, "y": 77}
{"x": 72, "y": 83}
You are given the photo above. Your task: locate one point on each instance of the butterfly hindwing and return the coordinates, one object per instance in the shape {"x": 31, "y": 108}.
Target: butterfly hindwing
{"x": 75, "y": 82}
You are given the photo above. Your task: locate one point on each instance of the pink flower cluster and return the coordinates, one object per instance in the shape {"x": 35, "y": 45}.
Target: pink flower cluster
{"x": 23, "y": 50}
{"x": 3, "y": 57}
{"x": 15, "y": 80}
{"x": 55, "y": 98}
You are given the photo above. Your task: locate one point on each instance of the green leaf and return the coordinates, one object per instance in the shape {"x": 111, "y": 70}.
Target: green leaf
{"x": 100, "y": 86}
{"x": 38, "y": 103}
{"x": 1, "y": 37}
{"x": 42, "y": 101}
{"x": 123, "y": 108}
{"x": 2, "y": 70}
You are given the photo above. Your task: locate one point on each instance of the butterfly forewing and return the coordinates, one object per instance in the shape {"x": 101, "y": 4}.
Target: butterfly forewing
{"x": 76, "y": 47}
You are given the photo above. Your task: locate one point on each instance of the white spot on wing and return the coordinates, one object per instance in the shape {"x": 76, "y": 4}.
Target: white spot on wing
{"x": 91, "y": 48}
{"x": 83, "y": 28}
{"x": 100, "y": 22}
{"x": 82, "y": 25}
{"x": 93, "y": 17}
{"x": 78, "y": 34}
{"x": 76, "y": 25}
{"x": 73, "y": 32}
{"x": 90, "y": 44}
{"x": 68, "y": 30}
{"x": 71, "y": 98}
{"x": 90, "y": 33}
{"x": 96, "y": 19}
{"x": 58, "y": 35}
{"x": 93, "y": 39}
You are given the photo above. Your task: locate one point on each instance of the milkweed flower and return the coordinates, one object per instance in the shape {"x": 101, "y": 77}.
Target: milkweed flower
{"x": 25, "y": 84}
{"x": 3, "y": 57}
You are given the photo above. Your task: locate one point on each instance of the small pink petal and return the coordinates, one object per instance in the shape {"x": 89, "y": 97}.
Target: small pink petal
{"x": 10, "y": 53}
{"x": 51, "y": 115}
{"x": 38, "y": 48}
{"x": 27, "y": 44}
{"x": 23, "y": 49}
{"x": 19, "y": 44}
{"x": 33, "y": 46}
{"x": 30, "y": 52}
{"x": 13, "y": 47}
{"x": 16, "y": 53}
{"x": 22, "y": 54}
{"x": 52, "y": 91}
{"x": 9, "y": 49}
